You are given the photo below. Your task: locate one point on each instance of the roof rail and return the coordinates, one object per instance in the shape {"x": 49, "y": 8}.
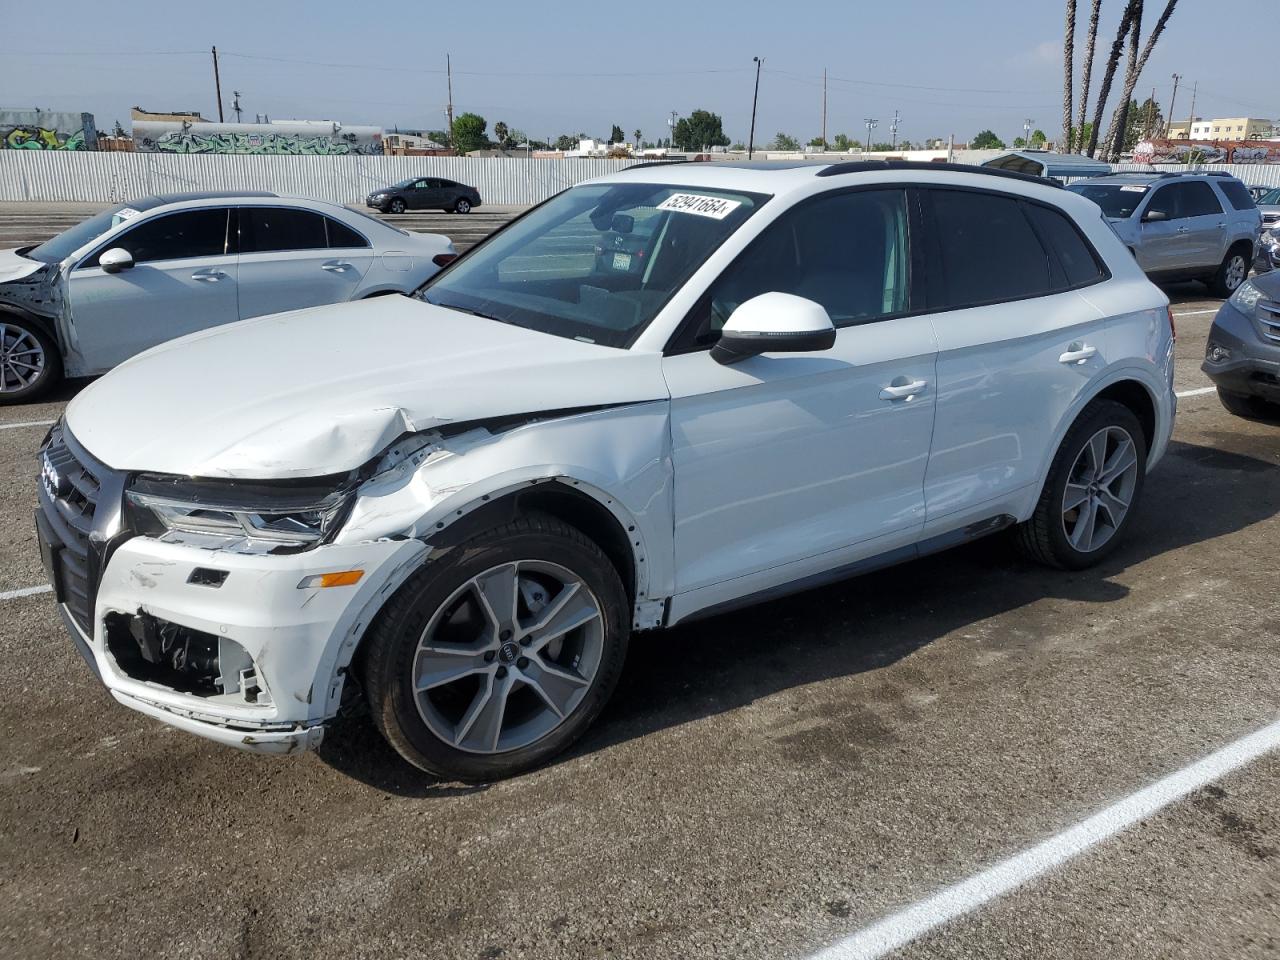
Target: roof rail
{"x": 866, "y": 166}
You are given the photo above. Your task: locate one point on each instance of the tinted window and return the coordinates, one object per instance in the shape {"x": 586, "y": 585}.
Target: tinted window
{"x": 1237, "y": 194}
{"x": 176, "y": 236}
{"x": 265, "y": 229}
{"x": 69, "y": 241}
{"x": 1076, "y": 257}
{"x": 988, "y": 250}
{"x": 1117, "y": 200}
{"x": 846, "y": 251}
{"x": 1191, "y": 199}
{"x": 340, "y": 235}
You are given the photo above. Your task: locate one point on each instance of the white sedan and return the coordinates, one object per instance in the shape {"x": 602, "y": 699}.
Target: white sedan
{"x": 157, "y": 268}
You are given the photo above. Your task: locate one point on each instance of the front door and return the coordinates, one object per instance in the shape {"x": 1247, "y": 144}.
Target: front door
{"x": 788, "y": 465}
{"x": 426, "y": 194}
{"x": 183, "y": 280}
{"x": 286, "y": 262}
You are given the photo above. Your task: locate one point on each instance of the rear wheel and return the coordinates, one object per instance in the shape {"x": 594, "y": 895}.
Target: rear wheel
{"x": 463, "y": 205}
{"x": 1232, "y": 273}
{"x": 499, "y": 655}
{"x": 29, "y": 360}
{"x": 1093, "y": 486}
{"x": 396, "y": 206}
{"x": 1250, "y": 408}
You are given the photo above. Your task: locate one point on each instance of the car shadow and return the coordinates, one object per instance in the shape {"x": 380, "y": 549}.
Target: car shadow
{"x": 722, "y": 663}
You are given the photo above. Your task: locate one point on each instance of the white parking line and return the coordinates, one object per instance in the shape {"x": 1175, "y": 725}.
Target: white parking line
{"x": 906, "y": 925}
{"x": 25, "y": 592}
{"x": 26, "y": 423}
{"x": 1194, "y": 313}
{"x": 1198, "y": 391}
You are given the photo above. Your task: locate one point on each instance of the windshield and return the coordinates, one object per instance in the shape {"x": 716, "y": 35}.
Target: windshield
{"x": 69, "y": 241}
{"x": 1271, "y": 197}
{"x": 595, "y": 263}
{"x": 1115, "y": 199}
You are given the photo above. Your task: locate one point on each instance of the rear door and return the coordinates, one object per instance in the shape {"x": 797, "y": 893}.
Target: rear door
{"x": 183, "y": 280}
{"x": 1016, "y": 345}
{"x": 286, "y": 262}
{"x": 1205, "y": 224}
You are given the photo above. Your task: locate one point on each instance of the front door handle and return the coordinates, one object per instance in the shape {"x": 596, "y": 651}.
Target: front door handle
{"x": 335, "y": 266}
{"x": 903, "y": 391}
{"x": 1184, "y": 229}
{"x": 1078, "y": 353}
{"x": 209, "y": 276}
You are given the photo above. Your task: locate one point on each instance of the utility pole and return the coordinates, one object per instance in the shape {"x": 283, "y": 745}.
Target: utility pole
{"x": 236, "y": 104}
{"x": 217, "y": 83}
{"x": 671, "y": 140}
{"x": 1168, "y": 129}
{"x": 871, "y": 123}
{"x": 448, "y": 69}
{"x": 824, "y": 109}
{"x": 893, "y": 129}
{"x": 1194, "y": 87}
{"x": 755, "y": 98}
{"x": 1027, "y": 124}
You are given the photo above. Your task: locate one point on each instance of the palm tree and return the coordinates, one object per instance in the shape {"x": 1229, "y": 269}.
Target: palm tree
{"x": 1076, "y": 138}
{"x": 1104, "y": 91}
{"x": 637, "y": 136}
{"x": 1120, "y": 119}
{"x": 1068, "y": 49}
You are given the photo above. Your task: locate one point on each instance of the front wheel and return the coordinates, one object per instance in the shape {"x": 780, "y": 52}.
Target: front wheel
{"x": 1093, "y": 487}
{"x": 29, "y": 360}
{"x": 396, "y": 206}
{"x": 498, "y": 655}
{"x": 1232, "y": 272}
{"x": 462, "y": 206}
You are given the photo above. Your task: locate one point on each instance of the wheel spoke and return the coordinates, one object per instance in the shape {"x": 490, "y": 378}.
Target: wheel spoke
{"x": 1115, "y": 507}
{"x": 1122, "y": 459}
{"x": 438, "y": 671}
{"x": 1076, "y": 494}
{"x": 481, "y": 726}
{"x": 1086, "y": 520}
{"x": 498, "y": 592}
{"x": 556, "y": 685}
{"x": 573, "y": 607}
{"x": 1097, "y": 454}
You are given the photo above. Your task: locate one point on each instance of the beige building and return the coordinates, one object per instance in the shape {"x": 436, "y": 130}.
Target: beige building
{"x": 1227, "y": 128}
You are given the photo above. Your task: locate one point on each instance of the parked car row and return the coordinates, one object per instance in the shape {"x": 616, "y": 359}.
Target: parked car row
{"x": 659, "y": 395}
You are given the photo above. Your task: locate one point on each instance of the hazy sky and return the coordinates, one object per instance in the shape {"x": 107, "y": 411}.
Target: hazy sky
{"x": 551, "y": 68}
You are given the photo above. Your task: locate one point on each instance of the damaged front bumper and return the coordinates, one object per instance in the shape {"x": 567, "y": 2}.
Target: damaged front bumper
{"x": 245, "y": 658}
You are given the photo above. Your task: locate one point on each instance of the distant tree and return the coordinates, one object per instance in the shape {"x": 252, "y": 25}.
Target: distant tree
{"x": 118, "y": 130}
{"x": 1080, "y": 138}
{"x": 1019, "y": 143}
{"x": 1039, "y": 138}
{"x": 739, "y": 145}
{"x": 842, "y": 142}
{"x": 816, "y": 142}
{"x": 501, "y": 135}
{"x": 784, "y": 141}
{"x": 636, "y": 138}
{"x": 566, "y": 142}
{"x": 1142, "y": 121}
{"x": 616, "y": 135}
{"x": 701, "y": 128}
{"x": 438, "y": 136}
{"x": 516, "y": 138}
{"x": 883, "y": 147}
{"x": 905, "y": 145}
{"x": 469, "y": 133}
{"x": 986, "y": 140}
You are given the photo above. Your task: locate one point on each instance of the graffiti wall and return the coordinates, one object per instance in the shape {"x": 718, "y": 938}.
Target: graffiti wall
{"x": 302, "y": 138}
{"x": 47, "y": 130}
{"x": 1207, "y": 151}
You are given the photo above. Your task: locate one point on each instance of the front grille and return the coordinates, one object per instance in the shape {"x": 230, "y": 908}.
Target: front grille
{"x": 1268, "y": 314}
{"x": 81, "y": 510}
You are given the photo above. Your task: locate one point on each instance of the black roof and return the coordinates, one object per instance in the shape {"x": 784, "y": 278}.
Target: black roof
{"x": 864, "y": 166}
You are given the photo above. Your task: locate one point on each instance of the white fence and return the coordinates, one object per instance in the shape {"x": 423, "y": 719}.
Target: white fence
{"x": 1254, "y": 174}
{"x": 113, "y": 177}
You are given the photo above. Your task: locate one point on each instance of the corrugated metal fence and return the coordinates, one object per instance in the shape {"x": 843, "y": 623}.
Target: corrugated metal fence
{"x": 112, "y": 177}
{"x": 1254, "y": 174}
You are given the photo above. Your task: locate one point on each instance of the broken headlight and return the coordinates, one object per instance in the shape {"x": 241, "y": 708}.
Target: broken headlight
{"x": 255, "y": 517}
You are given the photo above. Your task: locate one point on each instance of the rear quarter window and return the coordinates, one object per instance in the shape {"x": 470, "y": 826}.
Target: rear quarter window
{"x": 1237, "y": 194}
{"x": 1079, "y": 262}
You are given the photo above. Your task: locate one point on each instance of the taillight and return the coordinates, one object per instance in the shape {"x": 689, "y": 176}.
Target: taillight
{"x": 444, "y": 259}
{"x": 1173, "y": 327}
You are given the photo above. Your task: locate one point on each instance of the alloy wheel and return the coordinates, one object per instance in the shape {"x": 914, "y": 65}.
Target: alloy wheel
{"x": 1100, "y": 489}
{"x": 22, "y": 358}
{"x": 1236, "y": 270}
{"x": 508, "y": 657}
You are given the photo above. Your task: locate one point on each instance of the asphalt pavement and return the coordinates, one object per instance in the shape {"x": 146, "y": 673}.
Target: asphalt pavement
{"x": 764, "y": 784}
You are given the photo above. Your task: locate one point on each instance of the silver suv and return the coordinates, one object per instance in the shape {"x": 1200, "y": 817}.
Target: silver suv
{"x": 1182, "y": 226}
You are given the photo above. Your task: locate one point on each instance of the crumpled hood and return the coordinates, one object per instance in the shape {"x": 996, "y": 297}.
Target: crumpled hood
{"x": 323, "y": 390}
{"x": 14, "y": 267}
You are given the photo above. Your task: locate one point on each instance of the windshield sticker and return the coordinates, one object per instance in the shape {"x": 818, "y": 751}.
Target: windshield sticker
{"x": 717, "y": 208}
{"x": 1133, "y": 189}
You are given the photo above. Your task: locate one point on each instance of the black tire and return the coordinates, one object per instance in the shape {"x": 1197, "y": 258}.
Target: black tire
{"x": 1233, "y": 271}
{"x": 1043, "y": 537}
{"x": 462, "y": 205}
{"x": 1250, "y": 408}
{"x": 393, "y": 640}
{"x": 396, "y": 206}
{"x": 17, "y": 327}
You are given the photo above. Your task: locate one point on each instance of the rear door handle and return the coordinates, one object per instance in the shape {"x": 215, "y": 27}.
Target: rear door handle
{"x": 903, "y": 391}
{"x": 209, "y": 276}
{"x": 1078, "y": 353}
{"x": 335, "y": 266}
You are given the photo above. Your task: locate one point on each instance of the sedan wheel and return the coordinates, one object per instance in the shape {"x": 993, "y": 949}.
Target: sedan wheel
{"x": 500, "y": 653}
{"x": 29, "y": 361}
{"x": 396, "y": 206}
{"x": 462, "y": 206}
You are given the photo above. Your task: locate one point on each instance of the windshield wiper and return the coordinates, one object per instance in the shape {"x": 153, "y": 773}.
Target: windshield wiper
{"x": 467, "y": 310}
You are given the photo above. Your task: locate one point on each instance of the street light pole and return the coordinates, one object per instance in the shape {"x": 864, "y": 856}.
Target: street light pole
{"x": 1172, "y": 100}
{"x": 871, "y": 125}
{"x": 1026, "y": 132}
{"x": 755, "y": 97}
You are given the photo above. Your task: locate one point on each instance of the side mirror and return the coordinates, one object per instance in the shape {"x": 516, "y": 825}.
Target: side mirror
{"x": 1155, "y": 216}
{"x": 774, "y": 323}
{"x": 115, "y": 260}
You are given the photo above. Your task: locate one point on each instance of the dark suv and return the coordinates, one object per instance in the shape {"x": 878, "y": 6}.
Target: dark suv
{"x": 1242, "y": 355}
{"x": 425, "y": 193}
